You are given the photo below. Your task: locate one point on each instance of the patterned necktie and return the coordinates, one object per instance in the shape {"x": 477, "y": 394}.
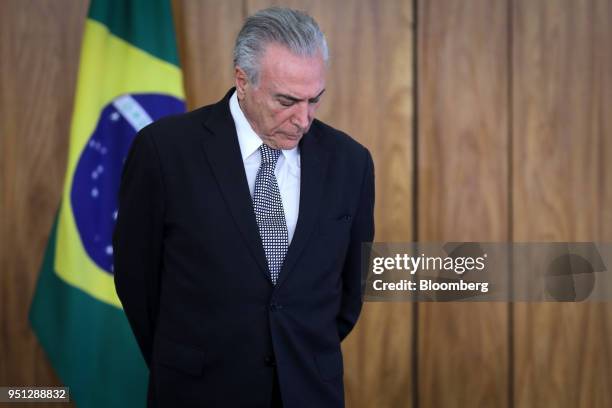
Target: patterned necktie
{"x": 269, "y": 212}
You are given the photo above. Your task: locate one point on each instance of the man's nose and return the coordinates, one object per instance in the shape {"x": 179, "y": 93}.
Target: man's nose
{"x": 301, "y": 116}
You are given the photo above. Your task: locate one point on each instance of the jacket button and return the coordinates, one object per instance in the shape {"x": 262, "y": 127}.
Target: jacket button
{"x": 269, "y": 360}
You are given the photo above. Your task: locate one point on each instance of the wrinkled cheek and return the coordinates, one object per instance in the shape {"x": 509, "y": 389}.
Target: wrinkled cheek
{"x": 283, "y": 124}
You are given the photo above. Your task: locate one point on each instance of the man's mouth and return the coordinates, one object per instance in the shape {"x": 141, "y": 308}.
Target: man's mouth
{"x": 292, "y": 136}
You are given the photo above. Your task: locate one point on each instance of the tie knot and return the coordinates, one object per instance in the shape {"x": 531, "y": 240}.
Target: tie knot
{"x": 268, "y": 154}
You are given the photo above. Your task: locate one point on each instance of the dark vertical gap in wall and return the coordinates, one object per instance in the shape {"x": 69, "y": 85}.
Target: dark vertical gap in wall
{"x": 510, "y": 95}
{"x": 415, "y": 192}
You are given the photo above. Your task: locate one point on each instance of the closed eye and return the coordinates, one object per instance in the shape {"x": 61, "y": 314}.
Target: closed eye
{"x": 288, "y": 100}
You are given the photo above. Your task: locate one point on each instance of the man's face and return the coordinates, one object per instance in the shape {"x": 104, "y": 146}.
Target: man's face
{"x": 281, "y": 107}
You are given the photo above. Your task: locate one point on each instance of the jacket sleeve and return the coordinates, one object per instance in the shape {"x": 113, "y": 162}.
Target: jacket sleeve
{"x": 137, "y": 239}
{"x": 362, "y": 230}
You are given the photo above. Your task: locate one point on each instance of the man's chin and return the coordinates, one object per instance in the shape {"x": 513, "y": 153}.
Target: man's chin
{"x": 288, "y": 142}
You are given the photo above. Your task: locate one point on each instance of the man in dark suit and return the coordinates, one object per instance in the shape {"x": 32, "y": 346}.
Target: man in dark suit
{"x": 238, "y": 240}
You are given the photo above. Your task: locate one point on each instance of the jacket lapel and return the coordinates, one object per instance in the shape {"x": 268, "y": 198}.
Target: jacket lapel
{"x": 314, "y": 160}
{"x": 223, "y": 153}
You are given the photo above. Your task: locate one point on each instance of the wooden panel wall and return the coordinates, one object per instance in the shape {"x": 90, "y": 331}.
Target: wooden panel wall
{"x": 206, "y": 31}
{"x": 39, "y": 53}
{"x": 562, "y": 190}
{"x": 512, "y": 142}
{"x": 462, "y": 191}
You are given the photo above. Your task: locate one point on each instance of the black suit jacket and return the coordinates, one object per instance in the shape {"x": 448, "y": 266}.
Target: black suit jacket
{"x": 191, "y": 272}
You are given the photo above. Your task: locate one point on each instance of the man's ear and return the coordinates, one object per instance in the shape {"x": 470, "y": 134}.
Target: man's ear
{"x": 242, "y": 82}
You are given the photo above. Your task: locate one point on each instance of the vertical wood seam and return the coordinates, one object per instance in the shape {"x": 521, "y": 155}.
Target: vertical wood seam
{"x": 415, "y": 193}
{"x": 510, "y": 219}
{"x": 245, "y": 9}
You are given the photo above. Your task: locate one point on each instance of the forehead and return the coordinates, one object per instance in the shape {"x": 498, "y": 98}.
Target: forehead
{"x": 284, "y": 72}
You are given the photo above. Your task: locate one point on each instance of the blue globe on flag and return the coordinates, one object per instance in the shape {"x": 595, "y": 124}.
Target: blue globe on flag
{"x": 95, "y": 186}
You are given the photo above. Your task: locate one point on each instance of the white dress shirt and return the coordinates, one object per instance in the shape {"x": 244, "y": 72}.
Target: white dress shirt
{"x": 287, "y": 167}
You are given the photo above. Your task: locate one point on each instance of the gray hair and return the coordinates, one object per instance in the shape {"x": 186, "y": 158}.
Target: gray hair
{"x": 293, "y": 29}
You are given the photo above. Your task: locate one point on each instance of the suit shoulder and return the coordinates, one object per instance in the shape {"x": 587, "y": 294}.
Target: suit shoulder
{"x": 338, "y": 141}
{"x": 180, "y": 122}
{"x": 177, "y": 130}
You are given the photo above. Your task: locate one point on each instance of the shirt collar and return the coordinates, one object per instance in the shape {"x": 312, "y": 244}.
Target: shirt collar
{"x": 250, "y": 141}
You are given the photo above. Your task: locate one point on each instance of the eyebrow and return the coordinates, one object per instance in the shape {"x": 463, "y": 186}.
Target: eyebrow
{"x": 294, "y": 99}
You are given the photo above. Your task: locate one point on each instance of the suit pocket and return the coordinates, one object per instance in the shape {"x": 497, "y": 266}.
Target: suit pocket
{"x": 333, "y": 225}
{"x": 330, "y": 364}
{"x": 181, "y": 357}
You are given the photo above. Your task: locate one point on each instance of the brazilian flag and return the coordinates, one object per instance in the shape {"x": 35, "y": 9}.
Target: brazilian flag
{"x": 129, "y": 76}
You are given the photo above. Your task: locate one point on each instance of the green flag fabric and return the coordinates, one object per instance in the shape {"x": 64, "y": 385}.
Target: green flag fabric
{"x": 129, "y": 76}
